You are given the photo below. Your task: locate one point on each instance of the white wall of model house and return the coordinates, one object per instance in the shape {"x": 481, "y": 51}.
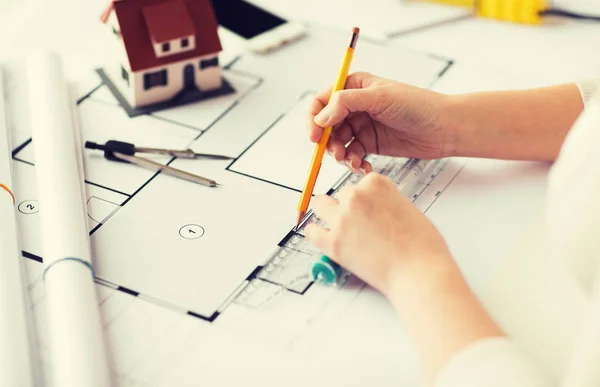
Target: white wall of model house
{"x": 117, "y": 60}
{"x": 205, "y": 79}
{"x": 133, "y": 89}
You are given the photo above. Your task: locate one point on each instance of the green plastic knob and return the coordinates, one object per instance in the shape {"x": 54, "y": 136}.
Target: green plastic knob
{"x": 326, "y": 271}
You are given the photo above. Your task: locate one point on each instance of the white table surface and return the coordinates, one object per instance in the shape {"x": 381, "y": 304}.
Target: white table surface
{"x": 560, "y": 51}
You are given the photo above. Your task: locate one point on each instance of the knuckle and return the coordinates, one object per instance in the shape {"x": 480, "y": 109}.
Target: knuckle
{"x": 371, "y": 178}
{"x": 362, "y": 76}
{"x": 355, "y": 199}
{"x": 376, "y": 181}
{"x": 378, "y": 178}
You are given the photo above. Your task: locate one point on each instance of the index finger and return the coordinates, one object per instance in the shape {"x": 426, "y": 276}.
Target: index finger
{"x": 356, "y": 80}
{"x": 316, "y": 105}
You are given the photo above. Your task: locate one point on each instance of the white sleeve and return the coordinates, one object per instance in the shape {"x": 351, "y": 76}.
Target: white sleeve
{"x": 587, "y": 88}
{"x": 493, "y": 362}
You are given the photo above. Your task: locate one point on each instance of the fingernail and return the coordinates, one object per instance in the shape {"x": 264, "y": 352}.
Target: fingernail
{"x": 348, "y": 163}
{"x": 322, "y": 118}
{"x": 363, "y": 171}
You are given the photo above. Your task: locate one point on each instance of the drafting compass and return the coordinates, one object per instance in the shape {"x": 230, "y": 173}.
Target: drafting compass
{"x": 125, "y": 152}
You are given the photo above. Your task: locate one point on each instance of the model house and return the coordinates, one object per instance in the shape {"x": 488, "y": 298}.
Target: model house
{"x": 167, "y": 52}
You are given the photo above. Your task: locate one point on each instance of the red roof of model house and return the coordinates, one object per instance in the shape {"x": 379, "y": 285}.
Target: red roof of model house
{"x": 146, "y": 22}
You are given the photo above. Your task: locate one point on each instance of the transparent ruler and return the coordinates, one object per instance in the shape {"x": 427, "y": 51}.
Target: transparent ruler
{"x": 290, "y": 266}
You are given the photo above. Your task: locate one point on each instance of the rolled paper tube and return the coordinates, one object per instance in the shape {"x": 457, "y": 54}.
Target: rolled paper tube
{"x": 16, "y": 330}
{"x": 76, "y": 343}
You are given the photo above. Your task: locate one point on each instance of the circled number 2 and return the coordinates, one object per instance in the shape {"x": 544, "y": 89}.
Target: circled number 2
{"x": 28, "y": 207}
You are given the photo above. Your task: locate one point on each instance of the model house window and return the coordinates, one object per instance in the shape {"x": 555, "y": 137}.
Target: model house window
{"x": 209, "y": 63}
{"x": 166, "y": 47}
{"x": 185, "y": 42}
{"x": 158, "y": 78}
{"x": 125, "y": 75}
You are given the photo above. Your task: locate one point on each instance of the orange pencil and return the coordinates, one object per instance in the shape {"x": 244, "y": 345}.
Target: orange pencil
{"x": 321, "y": 146}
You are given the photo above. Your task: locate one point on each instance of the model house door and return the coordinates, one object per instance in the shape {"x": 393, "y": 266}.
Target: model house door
{"x": 188, "y": 77}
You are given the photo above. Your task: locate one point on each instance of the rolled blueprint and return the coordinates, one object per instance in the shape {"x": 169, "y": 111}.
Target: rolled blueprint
{"x": 16, "y": 350}
{"x": 77, "y": 349}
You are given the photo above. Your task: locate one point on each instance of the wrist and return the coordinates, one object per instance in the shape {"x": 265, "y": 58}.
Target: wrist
{"x": 455, "y": 121}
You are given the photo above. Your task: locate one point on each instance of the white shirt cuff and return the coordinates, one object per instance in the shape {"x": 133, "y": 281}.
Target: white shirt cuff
{"x": 493, "y": 362}
{"x": 587, "y": 88}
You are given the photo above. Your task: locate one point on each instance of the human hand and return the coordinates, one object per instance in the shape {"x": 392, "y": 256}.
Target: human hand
{"x": 376, "y": 233}
{"x": 374, "y": 115}
{"x": 380, "y": 236}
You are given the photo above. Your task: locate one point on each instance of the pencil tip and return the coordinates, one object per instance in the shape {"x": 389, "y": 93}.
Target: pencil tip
{"x": 300, "y": 217}
{"x": 354, "y": 38}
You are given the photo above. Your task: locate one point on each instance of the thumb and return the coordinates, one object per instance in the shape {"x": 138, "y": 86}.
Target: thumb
{"x": 344, "y": 102}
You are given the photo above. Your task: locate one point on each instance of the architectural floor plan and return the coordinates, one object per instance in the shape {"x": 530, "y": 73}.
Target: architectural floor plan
{"x": 176, "y": 261}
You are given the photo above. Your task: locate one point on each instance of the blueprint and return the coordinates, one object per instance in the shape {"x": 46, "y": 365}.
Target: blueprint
{"x": 181, "y": 266}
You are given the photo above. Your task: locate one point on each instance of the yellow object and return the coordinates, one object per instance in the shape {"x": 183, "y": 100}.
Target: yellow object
{"x": 315, "y": 164}
{"x": 516, "y": 11}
